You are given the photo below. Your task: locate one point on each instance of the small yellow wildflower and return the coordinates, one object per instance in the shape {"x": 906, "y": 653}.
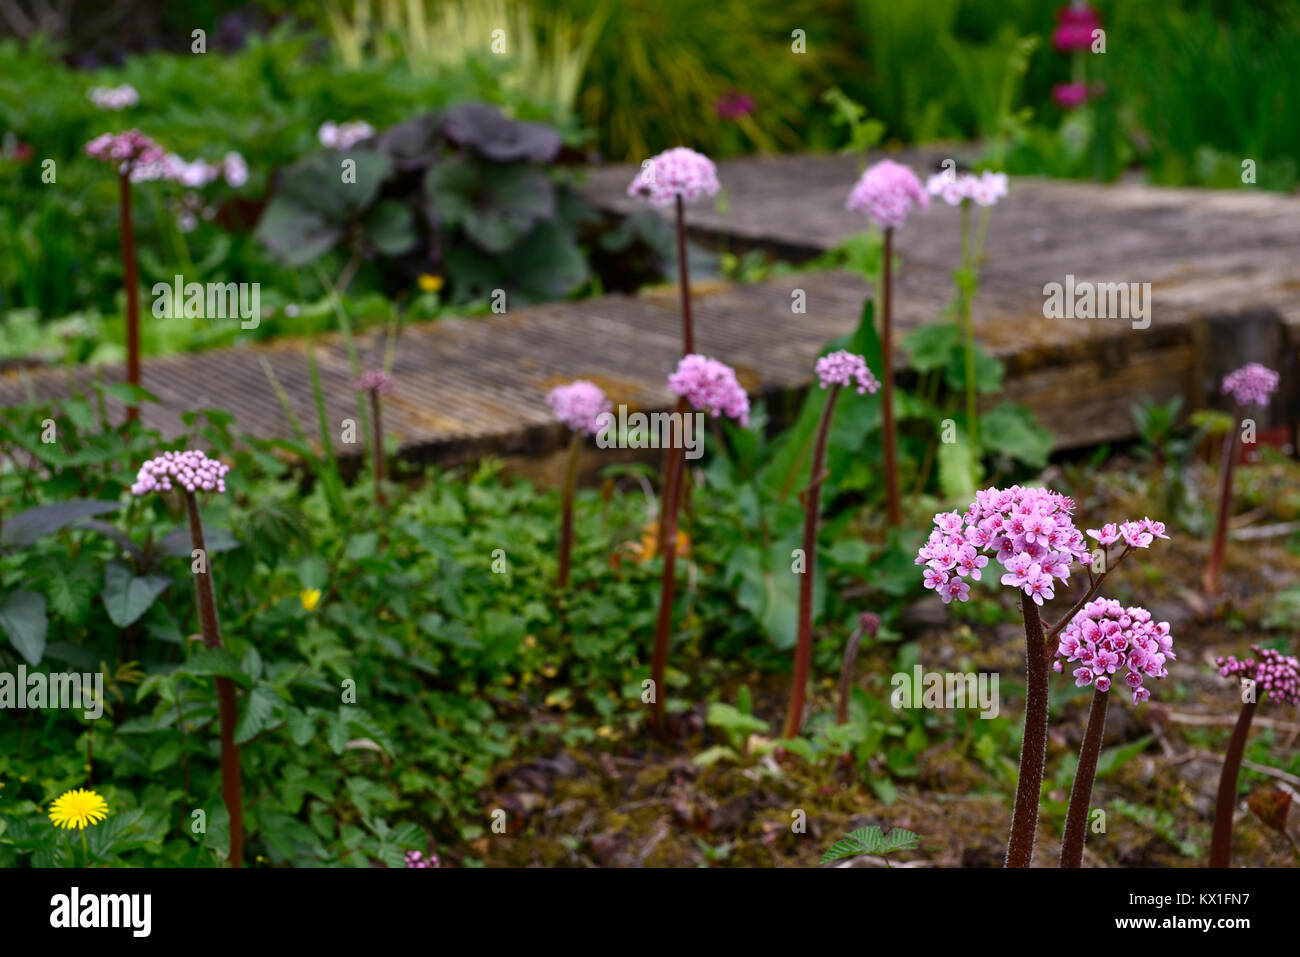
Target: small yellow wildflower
{"x": 310, "y": 598}
{"x": 530, "y": 642}
{"x": 77, "y": 809}
{"x": 429, "y": 282}
{"x": 549, "y": 670}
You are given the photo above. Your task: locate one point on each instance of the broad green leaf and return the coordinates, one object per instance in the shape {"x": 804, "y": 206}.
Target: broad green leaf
{"x": 126, "y": 596}
{"x": 22, "y": 618}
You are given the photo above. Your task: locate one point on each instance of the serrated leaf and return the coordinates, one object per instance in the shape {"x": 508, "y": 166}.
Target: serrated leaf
{"x": 259, "y": 707}
{"x": 213, "y": 662}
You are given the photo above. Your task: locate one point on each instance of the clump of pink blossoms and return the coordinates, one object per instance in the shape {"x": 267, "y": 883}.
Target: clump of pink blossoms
{"x": 1029, "y": 530}
{"x": 579, "y": 405}
{"x": 673, "y": 173}
{"x": 113, "y": 97}
{"x": 1251, "y": 384}
{"x": 984, "y": 189}
{"x": 1273, "y": 672}
{"x": 129, "y": 147}
{"x": 374, "y": 380}
{"x": 342, "y": 136}
{"x": 1105, "y": 636}
{"x": 191, "y": 470}
{"x": 710, "y": 386}
{"x": 417, "y": 859}
{"x": 846, "y": 369}
{"x": 886, "y": 193}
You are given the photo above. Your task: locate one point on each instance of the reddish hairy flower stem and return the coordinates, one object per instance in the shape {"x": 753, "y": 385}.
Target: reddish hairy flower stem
{"x": 684, "y": 279}
{"x": 1033, "y": 747}
{"x": 566, "y": 519}
{"x": 1221, "y": 841}
{"x": 1210, "y": 578}
{"x": 846, "y": 670}
{"x": 131, "y": 279}
{"x": 1076, "y": 819}
{"x": 668, "y": 548}
{"x": 231, "y": 783}
{"x": 378, "y": 442}
{"x": 887, "y": 381}
{"x": 812, "y": 509}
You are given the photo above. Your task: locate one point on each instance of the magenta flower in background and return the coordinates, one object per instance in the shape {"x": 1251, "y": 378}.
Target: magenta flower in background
{"x": 710, "y": 386}
{"x": 192, "y": 471}
{"x": 1105, "y": 637}
{"x": 734, "y": 105}
{"x": 1274, "y": 673}
{"x": 342, "y": 136}
{"x": 113, "y": 97}
{"x": 1074, "y": 26}
{"x": 373, "y": 380}
{"x": 579, "y": 405}
{"x": 120, "y": 148}
{"x": 1251, "y": 384}
{"x": 886, "y": 193}
{"x": 417, "y": 859}
{"x": 1070, "y": 95}
{"x": 676, "y": 172}
{"x": 234, "y": 169}
{"x": 846, "y": 369}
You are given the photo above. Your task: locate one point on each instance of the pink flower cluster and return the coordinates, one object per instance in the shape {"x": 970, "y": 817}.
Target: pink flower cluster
{"x": 129, "y": 147}
{"x": 192, "y": 470}
{"x": 710, "y": 386}
{"x": 417, "y": 859}
{"x": 342, "y": 136}
{"x": 676, "y": 172}
{"x": 193, "y": 175}
{"x": 846, "y": 369}
{"x": 956, "y": 188}
{"x": 1277, "y": 674}
{"x": 1105, "y": 636}
{"x": 1030, "y": 530}
{"x": 579, "y": 405}
{"x": 113, "y": 97}
{"x": 373, "y": 380}
{"x": 886, "y": 194}
{"x": 1074, "y": 25}
{"x": 1133, "y": 534}
{"x": 1252, "y": 383}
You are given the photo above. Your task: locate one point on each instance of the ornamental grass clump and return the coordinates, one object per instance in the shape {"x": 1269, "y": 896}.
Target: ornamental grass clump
{"x": 1105, "y": 637}
{"x": 376, "y": 384}
{"x": 1252, "y": 384}
{"x": 886, "y": 194}
{"x": 705, "y": 385}
{"x": 834, "y": 371}
{"x": 191, "y": 473}
{"x": 579, "y": 407}
{"x": 1277, "y": 676}
{"x": 1031, "y": 534}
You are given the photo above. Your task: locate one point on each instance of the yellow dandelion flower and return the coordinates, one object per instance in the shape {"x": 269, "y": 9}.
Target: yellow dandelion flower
{"x": 310, "y": 598}
{"x": 429, "y": 282}
{"x": 77, "y": 809}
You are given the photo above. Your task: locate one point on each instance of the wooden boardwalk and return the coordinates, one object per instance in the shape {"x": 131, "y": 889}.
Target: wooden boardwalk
{"x": 1224, "y": 269}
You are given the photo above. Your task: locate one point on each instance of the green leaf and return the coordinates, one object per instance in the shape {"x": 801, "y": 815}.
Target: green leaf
{"x": 391, "y": 227}
{"x": 931, "y": 346}
{"x": 302, "y": 726}
{"x": 1112, "y": 759}
{"x": 126, "y": 597}
{"x": 956, "y": 468}
{"x": 1013, "y": 431}
{"x": 213, "y": 662}
{"x": 259, "y": 707}
{"x": 26, "y": 527}
{"x": 22, "y": 617}
{"x": 989, "y": 372}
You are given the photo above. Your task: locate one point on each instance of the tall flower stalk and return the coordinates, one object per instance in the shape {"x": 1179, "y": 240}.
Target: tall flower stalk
{"x": 1252, "y": 384}
{"x": 1278, "y": 677}
{"x": 967, "y": 190}
{"x": 580, "y": 406}
{"x": 886, "y": 193}
{"x": 705, "y": 385}
{"x": 834, "y": 371}
{"x": 190, "y": 473}
{"x": 376, "y": 384}
{"x": 1105, "y": 637}
{"x": 128, "y": 152}
{"x": 674, "y": 178}
{"x": 1031, "y": 533}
